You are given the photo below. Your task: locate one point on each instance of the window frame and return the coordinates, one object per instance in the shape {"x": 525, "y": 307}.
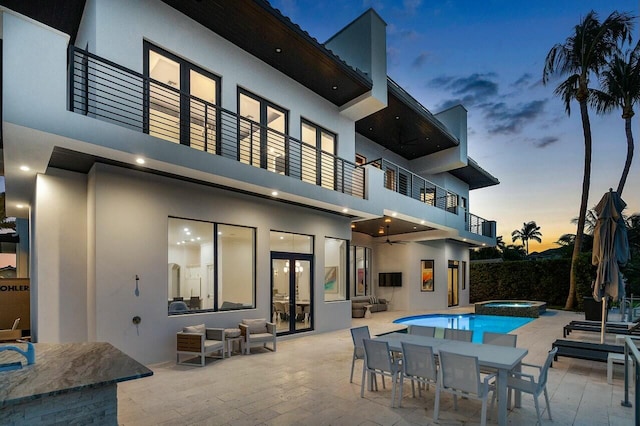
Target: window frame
{"x": 185, "y": 91}
{"x": 318, "y": 145}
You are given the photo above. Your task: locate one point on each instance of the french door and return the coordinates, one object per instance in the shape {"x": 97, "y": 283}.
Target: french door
{"x": 292, "y": 291}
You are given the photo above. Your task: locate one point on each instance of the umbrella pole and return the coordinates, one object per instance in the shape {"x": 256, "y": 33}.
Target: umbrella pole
{"x": 604, "y": 309}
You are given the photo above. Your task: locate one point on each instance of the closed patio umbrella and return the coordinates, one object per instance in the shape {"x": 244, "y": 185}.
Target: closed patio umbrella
{"x": 610, "y": 251}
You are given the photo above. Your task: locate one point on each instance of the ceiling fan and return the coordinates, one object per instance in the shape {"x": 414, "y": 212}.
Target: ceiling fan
{"x": 388, "y": 241}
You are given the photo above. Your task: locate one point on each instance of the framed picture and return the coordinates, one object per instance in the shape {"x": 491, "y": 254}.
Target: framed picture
{"x": 427, "y": 275}
{"x": 331, "y": 279}
{"x": 360, "y": 285}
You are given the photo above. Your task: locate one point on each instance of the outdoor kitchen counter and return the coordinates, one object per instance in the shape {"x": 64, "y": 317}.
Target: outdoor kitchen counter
{"x": 68, "y": 382}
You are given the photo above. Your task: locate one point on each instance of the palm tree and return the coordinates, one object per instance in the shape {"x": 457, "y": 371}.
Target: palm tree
{"x": 620, "y": 83}
{"x": 529, "y": 231}
{"x": 584, "y": 52}
{"x": 590, "y": 221}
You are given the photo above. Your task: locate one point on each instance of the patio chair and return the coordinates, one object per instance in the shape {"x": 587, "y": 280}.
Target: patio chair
{"x": 527, "y": 383}
{"x": 258, "y": 331}
{"x": 281, "y": 311}
{"x": 357, "y": 335}
{"x": 460, "y": 335}
{"x": 178, "y": 306}
{"x": 422, "y": 330}
{"x": 460, "y": 375}
{"x": 199, "y": 341}
{"x": 378, "y": 360}
{"x": 418, "y": 365}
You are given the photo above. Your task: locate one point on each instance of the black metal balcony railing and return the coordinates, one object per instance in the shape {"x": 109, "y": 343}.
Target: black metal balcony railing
{"x": 107, "y": 91}
{"x": 407, "y": 183}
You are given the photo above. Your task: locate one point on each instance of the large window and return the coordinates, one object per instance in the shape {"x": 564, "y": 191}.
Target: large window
{"x": 181, "y": 100}
{"x": 335, "y": 269}
{"x": 318, "y": 170}
{"x": 262, "y": 132}
{"x": 211, "y": 267}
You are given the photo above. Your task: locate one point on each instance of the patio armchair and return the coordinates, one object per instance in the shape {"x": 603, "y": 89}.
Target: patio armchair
{"x": 199, "y": 341}
{"x": 258, "y": 331}
{"x": 528, "y": 383}
{"x": 418, "y": 365}
{"x": 460, "y": 375}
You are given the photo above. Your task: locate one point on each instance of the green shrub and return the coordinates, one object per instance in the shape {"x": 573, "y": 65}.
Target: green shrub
{"x": 544, "y": 280}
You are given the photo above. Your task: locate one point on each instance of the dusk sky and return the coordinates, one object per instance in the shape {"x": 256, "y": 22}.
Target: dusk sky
{"x": 489, "y": 56}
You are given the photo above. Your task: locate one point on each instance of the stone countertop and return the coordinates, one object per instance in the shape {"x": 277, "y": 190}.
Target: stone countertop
{"x": 65, "y": 367}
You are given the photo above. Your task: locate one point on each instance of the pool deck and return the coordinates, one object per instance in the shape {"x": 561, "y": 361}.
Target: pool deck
{"x": 306, "y": 382}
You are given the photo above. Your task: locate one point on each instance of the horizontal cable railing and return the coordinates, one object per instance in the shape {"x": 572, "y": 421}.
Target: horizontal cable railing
{"x": 107, "y": 91}
{"x": 407, "y": 183}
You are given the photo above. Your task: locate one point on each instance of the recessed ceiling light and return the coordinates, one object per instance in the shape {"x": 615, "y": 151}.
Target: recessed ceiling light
{"x": 186, "y": 229}
{"x": 380, "y": 231}
{"x": 193, "y": 239}
{"x": 188, "y": 233}
{"x": 24, "y": 168}
{"x": 334, "y": 87}
{"x": 464, "y": 239}
{"x": 178, "y": 243}
{"x": 422, "y": 222}
{"x": 278, "y": 50}
{"x": 483, "y": 244}
{"x": 198, "y": 238}
{"x": 282, "y": 238}
{"x": 140, "y": 160}
{"x": 397, "y": 117}
{"x": 345, "y": 210}
{"x": 415, "y": 227}
{"x": 387, "y": 219}
{"x": 370, "y": 128}
{"x": 394, "y": 214}
{"x": 353, "y": 226}
{"x": 219, "y": 232}
{"x": 274, "y": 193}
{"x": 20, "y": 206}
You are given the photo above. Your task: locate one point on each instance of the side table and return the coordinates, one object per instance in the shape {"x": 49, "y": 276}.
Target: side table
{"x": 367, "y": 311}
{"x": 231, "y": 336}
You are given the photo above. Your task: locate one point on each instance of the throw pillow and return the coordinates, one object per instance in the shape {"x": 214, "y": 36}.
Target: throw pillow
{"x": 200, "y": 329}
{"x": 373, "y": 300}
{"x": 256, "y": 326}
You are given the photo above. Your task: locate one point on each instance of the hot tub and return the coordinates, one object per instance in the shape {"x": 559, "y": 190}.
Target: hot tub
{"x": 511, "y": 308}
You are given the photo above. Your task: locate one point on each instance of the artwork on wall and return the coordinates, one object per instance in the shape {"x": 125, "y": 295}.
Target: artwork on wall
{"x": 360, "y": 287}
{"x": 331, "y": 279}
{"x": 427, "y": 275}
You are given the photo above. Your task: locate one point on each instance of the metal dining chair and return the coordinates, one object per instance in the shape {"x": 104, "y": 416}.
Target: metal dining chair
{"x": 418, "y": 365}
{"x": 460, "y": 335}
{"x": 378, "y": 360}
{"x": 422, "y": 330}
{"x": 460, "y": 376}
{"x": 358, "y": 334}
{"x": 528, "y": 383}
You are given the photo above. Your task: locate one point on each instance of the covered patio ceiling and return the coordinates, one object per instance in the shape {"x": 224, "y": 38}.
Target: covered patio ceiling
{"x": 388, "y": 226}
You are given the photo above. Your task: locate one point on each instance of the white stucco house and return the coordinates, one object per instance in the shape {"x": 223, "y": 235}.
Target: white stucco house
{"x": 201, "y": 161}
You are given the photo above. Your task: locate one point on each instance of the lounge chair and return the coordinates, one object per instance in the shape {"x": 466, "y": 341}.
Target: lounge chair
{"x": 585, "y": 350}
{"x": 596, "y": 327}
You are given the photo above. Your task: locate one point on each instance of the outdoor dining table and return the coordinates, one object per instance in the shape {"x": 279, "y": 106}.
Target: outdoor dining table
{"x": 501, "y": 358}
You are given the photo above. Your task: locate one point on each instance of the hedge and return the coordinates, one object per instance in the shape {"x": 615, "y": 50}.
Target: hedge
{"x": 543, "y": 280}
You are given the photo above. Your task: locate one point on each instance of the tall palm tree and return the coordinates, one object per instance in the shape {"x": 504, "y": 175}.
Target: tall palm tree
{"x": 583, "y": 53}
{"x": 620, "y": 82}
{"x": 529, "y": 231}
{"x": 590, "y": 221}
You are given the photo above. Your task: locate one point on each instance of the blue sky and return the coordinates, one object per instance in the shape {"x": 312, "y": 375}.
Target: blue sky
{"x": 489, "y": 55}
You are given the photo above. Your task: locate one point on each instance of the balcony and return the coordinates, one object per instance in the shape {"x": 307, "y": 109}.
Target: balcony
{"x": 405, "y": 182}
{"x": 106, "y": 91}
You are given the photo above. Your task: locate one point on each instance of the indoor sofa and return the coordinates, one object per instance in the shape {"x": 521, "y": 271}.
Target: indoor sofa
{"x": 358, "y": 304}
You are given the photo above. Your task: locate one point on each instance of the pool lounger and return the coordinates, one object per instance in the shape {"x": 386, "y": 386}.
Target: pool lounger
{"x": 585, "y": 350}
{"x": 593, "y": 326}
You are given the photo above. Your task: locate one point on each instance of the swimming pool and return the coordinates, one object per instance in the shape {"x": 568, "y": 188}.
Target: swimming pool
{"x": 478, "y": 323}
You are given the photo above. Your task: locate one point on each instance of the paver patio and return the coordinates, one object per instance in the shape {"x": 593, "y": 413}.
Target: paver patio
{"x": 306, "y": 382}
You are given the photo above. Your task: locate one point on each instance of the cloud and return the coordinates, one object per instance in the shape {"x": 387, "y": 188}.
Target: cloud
{"x": 505, "y": 119}
{"x": 546, "y": 141}
{"x": 523, "y": 81}
{"x": 420, "y": 60}
{"x": 471, "y": 91}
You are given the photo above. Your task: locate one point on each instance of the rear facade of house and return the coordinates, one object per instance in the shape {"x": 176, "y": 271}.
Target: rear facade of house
{"x": 192, "y": 162}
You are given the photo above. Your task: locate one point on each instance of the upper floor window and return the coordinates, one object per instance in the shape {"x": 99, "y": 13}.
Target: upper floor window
{"x": 318, "y": 155}
{"x": 181, "y": 99}
{"x": 262, "y": 133}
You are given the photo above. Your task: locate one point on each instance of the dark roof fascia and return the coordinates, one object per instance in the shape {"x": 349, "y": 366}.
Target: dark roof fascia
{"x": 396, "y": 90}
{"x": 474, "y": 175}
{"x": 355, "y": 73}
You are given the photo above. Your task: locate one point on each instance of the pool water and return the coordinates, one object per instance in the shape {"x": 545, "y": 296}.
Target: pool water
{"x": 478, "y": 323}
